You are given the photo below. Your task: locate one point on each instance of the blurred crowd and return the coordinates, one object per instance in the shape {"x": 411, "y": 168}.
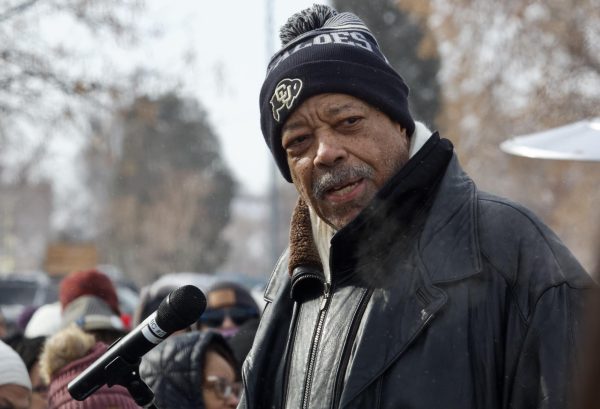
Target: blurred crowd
{"x": 199, "y": 367}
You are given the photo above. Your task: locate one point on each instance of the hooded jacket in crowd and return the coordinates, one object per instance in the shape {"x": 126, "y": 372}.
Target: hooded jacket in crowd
{"x": 66, "y": 355}
{"x": 174, "y": 369}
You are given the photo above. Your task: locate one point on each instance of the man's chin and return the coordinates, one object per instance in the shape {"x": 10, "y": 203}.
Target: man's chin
{"x": 339, "y": 221}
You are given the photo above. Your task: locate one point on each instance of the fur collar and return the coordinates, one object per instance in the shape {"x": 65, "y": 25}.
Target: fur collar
{"x": 63, "y": 348}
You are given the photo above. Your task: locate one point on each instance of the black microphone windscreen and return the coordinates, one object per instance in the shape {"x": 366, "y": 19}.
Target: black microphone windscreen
{"x": 181, "y": 308}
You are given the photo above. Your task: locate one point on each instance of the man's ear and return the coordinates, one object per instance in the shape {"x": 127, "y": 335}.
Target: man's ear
{"x": 401, "y": 131}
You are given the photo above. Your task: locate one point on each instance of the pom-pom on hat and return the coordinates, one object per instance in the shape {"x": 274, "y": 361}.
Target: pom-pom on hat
{"x": 88, "y": 282}
{"x": 67, "y": 354}
{"x": 327, "y": 52}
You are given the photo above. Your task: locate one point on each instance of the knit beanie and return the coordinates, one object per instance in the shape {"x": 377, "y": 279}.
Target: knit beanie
{"x": 66, "y": 355}
{"x": 88, "y": 282}
{"x": 12, "y": 368}
{"x": 91, "y": 313}
{"x": 327, "y": 52}
{"x": 44, "y": 322}
{"x": 29, "y": 349}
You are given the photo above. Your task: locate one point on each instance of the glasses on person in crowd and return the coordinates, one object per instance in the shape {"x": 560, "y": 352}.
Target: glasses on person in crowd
{"x": 214, "y": 317}
{"x": 222, "y": 387}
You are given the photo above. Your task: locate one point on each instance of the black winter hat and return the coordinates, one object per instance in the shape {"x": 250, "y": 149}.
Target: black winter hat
{"x": 325, "y": 51}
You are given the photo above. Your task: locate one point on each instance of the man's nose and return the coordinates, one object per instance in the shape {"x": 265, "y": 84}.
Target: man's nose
{"x": 330, "y": 149}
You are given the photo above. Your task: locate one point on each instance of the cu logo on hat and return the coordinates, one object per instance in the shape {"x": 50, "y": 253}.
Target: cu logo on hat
{"x": 285, "y": 94}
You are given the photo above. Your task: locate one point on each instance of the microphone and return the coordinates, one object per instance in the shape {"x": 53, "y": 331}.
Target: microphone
{"x": 180, "y": 309}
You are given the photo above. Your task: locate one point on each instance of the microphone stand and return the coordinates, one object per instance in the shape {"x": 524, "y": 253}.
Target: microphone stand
{"x": 128, "y": 375}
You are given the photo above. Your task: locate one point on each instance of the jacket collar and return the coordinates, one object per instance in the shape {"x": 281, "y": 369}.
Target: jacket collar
{"x": 453, "y": 210}
{"x": 410, "y": 315}
{"x": 392, "y": 223}
{"x": 449, "y": 247}
{"x": 304, "y": 267}
{"x": 447, "y": 251}
{"x": 401, "y": 204}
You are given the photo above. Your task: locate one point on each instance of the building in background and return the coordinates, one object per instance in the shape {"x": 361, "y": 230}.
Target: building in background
{"x": 25, "y": 212}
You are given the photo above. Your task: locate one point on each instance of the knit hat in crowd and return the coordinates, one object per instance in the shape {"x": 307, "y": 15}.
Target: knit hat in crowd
{"x": 89, "y": 282}
{"x": 45, "y": 321}
{"x": 12, "y": 368}
{"x": 29, "y": 349}
{"x": 68, "y": 353}
{"x": 327, "y": 52}
{"x": 91, "y": 313}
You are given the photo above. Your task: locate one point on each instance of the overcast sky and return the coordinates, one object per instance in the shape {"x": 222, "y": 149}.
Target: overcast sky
{"x": 226, "y": 44}
{"x": 214, "y": 51}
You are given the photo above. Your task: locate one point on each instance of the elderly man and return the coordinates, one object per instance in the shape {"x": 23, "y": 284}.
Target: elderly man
{"x": 403, "y": 286}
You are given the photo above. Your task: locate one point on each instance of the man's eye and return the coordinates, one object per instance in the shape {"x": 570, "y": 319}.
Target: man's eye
{"x": 296, "y": 141}
{"x": 351, "y": 120}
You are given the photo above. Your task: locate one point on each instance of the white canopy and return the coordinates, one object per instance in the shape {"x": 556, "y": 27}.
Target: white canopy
{"x": 579, "y": 141}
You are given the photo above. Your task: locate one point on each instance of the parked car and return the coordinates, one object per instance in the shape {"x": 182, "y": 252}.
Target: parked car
{"x": 19, "y": 290}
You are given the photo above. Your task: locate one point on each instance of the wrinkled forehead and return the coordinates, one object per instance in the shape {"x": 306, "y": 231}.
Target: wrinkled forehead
{"x": 326, "y": 106}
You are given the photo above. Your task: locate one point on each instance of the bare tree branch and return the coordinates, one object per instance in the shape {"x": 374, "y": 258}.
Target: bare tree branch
{"x": 16, "y": 10}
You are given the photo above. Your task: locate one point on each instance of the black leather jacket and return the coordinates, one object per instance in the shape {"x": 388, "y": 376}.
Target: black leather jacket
{"x": 458, "y": 300}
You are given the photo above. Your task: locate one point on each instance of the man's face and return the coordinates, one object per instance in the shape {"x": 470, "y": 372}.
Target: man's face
{"x": 340, "y": 151}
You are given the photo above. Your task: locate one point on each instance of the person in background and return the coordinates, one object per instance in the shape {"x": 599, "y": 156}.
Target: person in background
{"x": 25, "y": 316}
{"x": 241, "y": 342}
{"x": 150, "y": 298}
{"x": 45, "y": 321}
{"x": 89, "y": 299}
{"x": 88, "y": 282}
{"x": 68, "y": 353}
{"x": 30, "y": 349}
{"x": 94, "y": 316}
{"x": 15, "y": 385}
{"x": 404, "y": 285}
{"x": 229, "y": 305}
{"x": 196, "y": 370}
{"x": 3, "y": 326}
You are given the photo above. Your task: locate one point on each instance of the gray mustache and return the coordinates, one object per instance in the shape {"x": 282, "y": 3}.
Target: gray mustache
{"x": 339, "y": 176}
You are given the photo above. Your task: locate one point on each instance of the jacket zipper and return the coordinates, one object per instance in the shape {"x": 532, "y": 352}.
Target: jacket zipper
{"x": 288, "y": 354}
{"x": 341, "y": 374}
{"x": 315, "y": 343}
